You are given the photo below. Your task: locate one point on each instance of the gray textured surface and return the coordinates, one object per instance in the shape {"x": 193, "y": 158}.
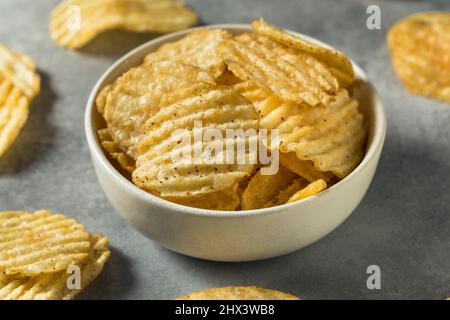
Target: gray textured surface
{"x": 402, "y": 224}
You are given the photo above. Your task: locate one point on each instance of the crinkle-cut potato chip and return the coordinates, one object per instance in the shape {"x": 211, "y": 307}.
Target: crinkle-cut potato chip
{"x": 310, "y": 190}
{"x": 20, "y": 70}
{"x": 293, "y": 77}
{"x": 337, "y": 62}
{"x": 198, "y": 48}
{"x": 74, "y": 23}
{"x": 225, "y": 200}
{"x": 40, "y": 242}
{"x": 239, "y": 293}
{"x": 304, "y": 168}
{"x": 53, "y": 286}
{"x": 176, "y": 162}
{"x": 19, "y": 83}
{"x": 264, "y": 188}
{"x": 125, "y": 161}
{"x": 420, "y": 51}
{"x": 332, "y": 137}
{"x": 284, "y": 195}
{"x": 139, "y": 93}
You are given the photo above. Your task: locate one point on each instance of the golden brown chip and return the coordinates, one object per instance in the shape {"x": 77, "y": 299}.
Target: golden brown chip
{"x": 293, "y": 77}
{"x": 225, "y": 200}
{"x": 20, "y": 70}
{"x": 239, "y": 293}
{"x": 310, "y": 190}
{"x": 284, "y": 195}
{"x": 111, "y": 147}
{"x": 139, "y": 93}
{"x": 332, "y": 137}
{"x": 40, "y": 242}
{"x": 338, "y": 63}
{"x": 262, "y": 189}
{"x": 54, "y": 286}
{"x": 198, "y": 48}
{"x": 420, "y": 51}
{"x": 304, "y": 168}
{"x": 76, "y": 22}
{"x": 178, "y": 160}
{"x": 19, "y": 83}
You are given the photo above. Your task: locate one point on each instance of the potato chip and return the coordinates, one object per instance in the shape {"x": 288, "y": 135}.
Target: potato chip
{"x": 19, "y": 83}
{"x": 338, "y": 63}
{"x": 197, "y": 48}
{"x": 53, "y": 286}
{"x": 100, "y": 101}
{"x": 227, "y": 78}
{"x": 138, "y": 94}
{"x": 273, "y": 112}
{"x": 332, "y": 137}
{"x": 284, "y": 195}
{"x": 420, "y": 51}
{"x": 40, "y": 242}
{"x": 238, "y": 293}
{"x": 264, "y": 188}
{"x": 304, "y": 168}
{"x": 113, "y": 150}
{"x": 298, "y": 78}
{"x": 310, "y": 190}
{"x": 179, "y": 161}
{"x": 76, "y": 22}
{"x": 20, "y": 70}
{"x": 225, "y": 200}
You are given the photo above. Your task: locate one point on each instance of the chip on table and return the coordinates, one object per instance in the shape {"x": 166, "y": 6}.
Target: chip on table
{"x": 41, "y": 252}
{"x": 239, "y": 293}
{"x": 420, "y": 52}
{"x": 74, "y": 23}
{"x": 19, "y": 84}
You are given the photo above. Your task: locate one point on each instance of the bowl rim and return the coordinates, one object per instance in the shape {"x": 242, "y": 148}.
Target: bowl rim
{"x": 379, "y": 133}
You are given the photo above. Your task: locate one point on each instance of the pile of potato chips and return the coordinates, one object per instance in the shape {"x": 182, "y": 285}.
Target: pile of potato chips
{"x": 41, "y": 252}
{"x": 265, "y": 80}
{"x": 420, "y": 50}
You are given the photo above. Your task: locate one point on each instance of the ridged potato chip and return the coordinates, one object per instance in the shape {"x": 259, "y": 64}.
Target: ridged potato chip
{"x": 310, "y": 190}
{"x": 337, "y": 62}
{"x": 238, "y": 293}
{"x": 293, "y": 77}
{"x": 262, "y": 189}
{"x": 420, "y": 51}
{"x": 304, "y": 168}
{"x": 40, "y": 242}
{"x": 332, "y": 137}
{"x": 19, "y": 83}
{"x": 110, "y": 146}
{"x": 169, "y": 163}
{"x": 272, "y": 111}
{"x": 225, "y": 200}
{"x": 76, "y": 22}
{"x": 139, "y": 93}
{"x": 53, "y": 286}
{"x": 198, "y": 48}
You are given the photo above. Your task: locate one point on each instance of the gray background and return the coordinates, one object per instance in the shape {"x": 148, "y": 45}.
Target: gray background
{"x": 402, "y": 224}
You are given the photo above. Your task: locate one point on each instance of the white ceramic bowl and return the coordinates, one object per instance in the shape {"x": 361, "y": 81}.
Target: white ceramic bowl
{"x": 243, "y": 235}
